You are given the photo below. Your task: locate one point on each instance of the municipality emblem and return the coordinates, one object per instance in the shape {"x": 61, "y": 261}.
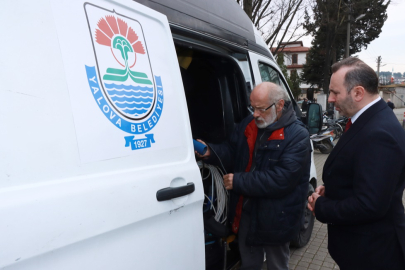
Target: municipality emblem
{"x": 122, "y": 83}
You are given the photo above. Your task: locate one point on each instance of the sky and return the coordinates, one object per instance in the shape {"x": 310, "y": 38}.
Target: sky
{"x": 390, "y": 45}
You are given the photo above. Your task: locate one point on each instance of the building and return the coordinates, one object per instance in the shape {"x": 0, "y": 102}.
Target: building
{"x": 295, "y": 55}
{"x": 395, "y": 92}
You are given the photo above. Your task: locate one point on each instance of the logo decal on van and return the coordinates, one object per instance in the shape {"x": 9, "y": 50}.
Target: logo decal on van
{"x": 125, "y": 89}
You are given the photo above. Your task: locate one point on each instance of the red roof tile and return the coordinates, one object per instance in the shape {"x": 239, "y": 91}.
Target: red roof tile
{"x": 295, "y": 66}
{"x": 292, "y": 49}
{"x": 294, "y": 42}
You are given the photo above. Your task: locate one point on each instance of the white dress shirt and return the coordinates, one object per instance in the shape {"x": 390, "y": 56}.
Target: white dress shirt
{"x": 357, "y": 114}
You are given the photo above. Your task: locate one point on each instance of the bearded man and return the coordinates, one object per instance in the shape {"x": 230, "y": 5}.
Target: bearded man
{"x": 364, "y": 176}
{"x": 269, "y": 155}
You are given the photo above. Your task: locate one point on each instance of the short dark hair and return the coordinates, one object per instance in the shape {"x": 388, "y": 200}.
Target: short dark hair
{"x": 359, "y": 74}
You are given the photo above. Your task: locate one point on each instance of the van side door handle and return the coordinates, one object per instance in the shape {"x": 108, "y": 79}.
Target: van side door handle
{"x": 169, "y": 193}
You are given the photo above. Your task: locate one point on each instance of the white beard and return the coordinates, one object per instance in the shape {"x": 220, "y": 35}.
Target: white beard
{"x": 263, "y": 122}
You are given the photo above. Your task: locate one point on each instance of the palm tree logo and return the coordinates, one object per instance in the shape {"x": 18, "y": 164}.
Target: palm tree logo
{"x": 115, "y": 33}
{"x": 130, "y": 92}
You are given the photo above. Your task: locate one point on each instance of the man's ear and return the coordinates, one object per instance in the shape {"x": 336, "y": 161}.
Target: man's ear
{"x": 280, "y": 105}
{"x": 358, "y": 93}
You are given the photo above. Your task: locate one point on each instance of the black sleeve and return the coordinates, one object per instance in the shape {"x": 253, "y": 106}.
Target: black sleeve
{"x": 375, "y": 179}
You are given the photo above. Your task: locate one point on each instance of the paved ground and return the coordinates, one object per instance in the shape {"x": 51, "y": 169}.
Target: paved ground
{"x": 315, "y": 255}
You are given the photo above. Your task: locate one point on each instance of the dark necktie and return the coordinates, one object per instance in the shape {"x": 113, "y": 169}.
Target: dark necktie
{"x": 348, "y": 125}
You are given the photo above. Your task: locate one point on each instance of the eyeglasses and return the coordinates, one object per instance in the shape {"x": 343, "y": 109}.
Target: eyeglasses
{"x": 260, "y": 110}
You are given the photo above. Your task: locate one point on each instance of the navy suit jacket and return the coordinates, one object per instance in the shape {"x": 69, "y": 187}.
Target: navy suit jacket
{"x": 364, "y": 178}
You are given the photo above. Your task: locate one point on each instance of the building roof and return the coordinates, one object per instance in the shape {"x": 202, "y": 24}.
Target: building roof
{"x": 391, "y": 86}
{"x": 291, "y": 49}
{"x": 299, "y": 42}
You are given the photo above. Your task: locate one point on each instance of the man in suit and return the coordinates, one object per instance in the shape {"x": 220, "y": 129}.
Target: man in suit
{"x": 364, "y": 176}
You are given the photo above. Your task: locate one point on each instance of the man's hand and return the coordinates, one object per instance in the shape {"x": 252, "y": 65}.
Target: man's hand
{"x": 207, "y": 154}
{"x": 320, "y": 190}
{"x": 311, "y": 202}
{"x": 228, "y": 181}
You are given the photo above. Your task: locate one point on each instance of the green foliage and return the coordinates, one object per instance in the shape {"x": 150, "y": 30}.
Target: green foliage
{"x": 313, "y": 68}
{"x": 328, "y": 25}
{"x": 294, "y": 83}
{"x": 293, "y": 80}
{"x": 281, "y": 64}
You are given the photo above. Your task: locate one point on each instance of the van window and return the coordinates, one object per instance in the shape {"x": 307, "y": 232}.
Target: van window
{"x": 214, "y": 86}
{"x": 269, "y": 74}
{"x": 243, "y": 62}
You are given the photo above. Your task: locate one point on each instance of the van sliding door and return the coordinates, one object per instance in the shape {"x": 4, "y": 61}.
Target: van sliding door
{"x": 97, "y": 164}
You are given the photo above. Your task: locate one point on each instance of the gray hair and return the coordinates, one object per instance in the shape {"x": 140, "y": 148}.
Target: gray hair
{"x": 278, "y": 94}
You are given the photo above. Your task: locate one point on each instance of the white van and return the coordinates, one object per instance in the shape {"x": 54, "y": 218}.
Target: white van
{"x": 99, "y": 103}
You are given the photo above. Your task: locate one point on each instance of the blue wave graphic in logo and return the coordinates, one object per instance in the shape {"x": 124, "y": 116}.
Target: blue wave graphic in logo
{"x": 128, "y": 87}
{"x": 129, "y": 93}
{"x": 130, "y": 99}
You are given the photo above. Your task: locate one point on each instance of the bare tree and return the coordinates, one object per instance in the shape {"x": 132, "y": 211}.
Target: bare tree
{"x": 278, "y": 20}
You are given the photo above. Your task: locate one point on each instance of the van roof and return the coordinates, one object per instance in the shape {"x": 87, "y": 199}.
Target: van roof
{"x": 224, "y": 19}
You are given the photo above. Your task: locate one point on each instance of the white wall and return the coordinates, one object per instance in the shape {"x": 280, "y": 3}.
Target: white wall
{"x": 321, "y": 99}
{"x": 287, "y": 59}
{"x": 300, "y": 61}
{"x": 396, "y": 99}
{"x": 302, "y": 58}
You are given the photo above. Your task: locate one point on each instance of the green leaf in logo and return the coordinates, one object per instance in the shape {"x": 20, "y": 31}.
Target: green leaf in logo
{"x": 123, "y": 45}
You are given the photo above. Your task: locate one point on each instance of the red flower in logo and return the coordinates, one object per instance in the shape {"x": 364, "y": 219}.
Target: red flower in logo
{"x": 115, "y": 33}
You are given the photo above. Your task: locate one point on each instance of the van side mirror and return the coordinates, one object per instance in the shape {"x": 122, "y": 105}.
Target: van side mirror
{"x": 314, "y": 118}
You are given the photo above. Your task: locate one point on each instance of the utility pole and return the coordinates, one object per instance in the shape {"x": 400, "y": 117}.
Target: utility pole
{"x": 349, "y": 18}
{"x": 378, "y": 68}
{"x": 348, "y": 33}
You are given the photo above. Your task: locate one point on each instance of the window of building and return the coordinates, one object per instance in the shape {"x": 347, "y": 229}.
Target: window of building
{"x": 295, "y": 59}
